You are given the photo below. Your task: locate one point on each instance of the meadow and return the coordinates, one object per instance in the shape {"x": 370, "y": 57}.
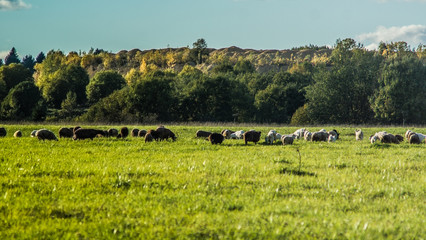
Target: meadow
{"x": 189, "y": 189}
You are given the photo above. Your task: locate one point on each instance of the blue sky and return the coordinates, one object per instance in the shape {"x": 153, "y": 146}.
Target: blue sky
{"x": 32, "y": 26}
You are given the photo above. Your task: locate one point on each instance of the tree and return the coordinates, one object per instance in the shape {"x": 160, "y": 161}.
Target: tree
{"x": 40, "y": 57}
{"x": 244, "y": 66}
{"x": 29, "y": 62}
{"x": 1, "y": 62}
{"x": 400, "y": 97}
{"x": 200, "y": 50}
{"x": 103, "y": 84}
{"x": 69, "y": 107}
{"x": 22, "y": 102}
{"x": 12, "y": 57}
{"x": 14, "y": 74}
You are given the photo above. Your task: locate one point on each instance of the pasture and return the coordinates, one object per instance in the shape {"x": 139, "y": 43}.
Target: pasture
{"x": 110, "y": 188}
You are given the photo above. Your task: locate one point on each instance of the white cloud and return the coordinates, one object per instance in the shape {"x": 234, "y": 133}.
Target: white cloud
{"x": 3, "y": 54}
{"x": 13, "y": 5}
{"x": 412, "y": 34}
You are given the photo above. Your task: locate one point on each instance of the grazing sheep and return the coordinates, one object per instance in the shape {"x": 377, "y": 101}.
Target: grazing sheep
{"x": 288, "y": 139}
{"x": 135, "y": 132}
{"x": 112, "y": 132}
{"x": 124, "y": 132}
{"x": 44, "y": 134}
{"x": 227, "y": 133}
{"x": 331, "y": 138}
{"x": 422, "y": 137}
{"x": 233, "y": 136}
{"x": 75, "y": 129}
{"x": 18, "y": 134}
{"x": 203, "y": 134}
{"x": 3, "y": 132}
{"x": 407, "y": 134}
{"x": 278, "y": 136}
{"x": 149, "y": 137}
{"x": 33, "y": 133}
{"x": 251, "y": 136}
{"x": 308, "y": 136}
{"x": 84, "y": 133}
{"x": 154, "y": 134}
{"x": 142, "y": 133}
{"x": 66, "y": 132}
{"x": 373, "y": 139}
{"x": 399, "y": 138}
{"x": 359, "y": 135}
{"x": 384, "y": 137}
{"x": 319, "y": 136}
{"x": 414, "y": 139}
{"x": 299, "y": 133}
{"x": 216, "y": 138}
{"x": 239, "y": 134}
{"x": 165, "y": 134}
{"x": 270, "y": 137}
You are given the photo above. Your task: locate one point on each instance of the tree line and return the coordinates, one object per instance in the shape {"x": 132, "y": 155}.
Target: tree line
{"x": 351, "y": 85}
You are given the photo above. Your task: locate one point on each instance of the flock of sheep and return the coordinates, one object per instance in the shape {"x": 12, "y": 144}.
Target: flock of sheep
{"x": 163, "y": 133}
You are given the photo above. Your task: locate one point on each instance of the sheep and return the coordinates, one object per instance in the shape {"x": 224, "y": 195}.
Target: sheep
{"x": 44, "y": 134}
{"x": 124, "y": 132}
{"x": 399, "y": 138}
{"x": 299, "y": 133}
{"x": 407, "y": 134}
{"x": 233, "y": 136}
{"x": 3, "y": 132}
{"x": 33, "y": 133}
{"x": 278, "y": 136}
{"x": 75, "y": 129}
{"x": 66, "y": 132}
{"x": 112, "y": 132}
{"x": 251, "y": 136}
{"x": 142, "y": 133}
{"x": 203, "y": 134}
{"x": 334, "y": 133}
{"x": 84, "y": 133}
{"x": 18, "y": 134}
{"x": 414, "y": 139}
{"x": 165, "y": 133}
{"x": 270, "y": 137}
{"x": 373, "y": 139}
{"x": 359, "y": 135}
{"x": 149, "y": 137}
{"x": 239, "y": 134}
{"x": 288, "y": 139}
{"x": 227, "y": 133}
{"x": 319, "y": 136}
{"x": 308, "y": 136}
{"x": 154, "y": 134}
{"x": 331, "y": 138}
{"x": 216, "y": 138}
{"x": 135, "y": 132}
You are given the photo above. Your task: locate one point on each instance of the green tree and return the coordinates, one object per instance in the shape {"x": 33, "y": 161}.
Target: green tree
{"x": 69, "y": 107}
{"x": 244, "y": 66}
{"x": 29, "y": 62}
{"x": 400, "y": 97}
{"x": 40, "y": 57}
{"x": 22, "y": 102}
{"x": 199, "y": 50}
{"x": 14, "y": 74}
{"x": 103, "y": 84}
{"x": 12, "y": 57}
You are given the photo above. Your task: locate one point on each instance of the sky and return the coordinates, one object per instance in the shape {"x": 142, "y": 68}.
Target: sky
{"x": 34, "y": 26}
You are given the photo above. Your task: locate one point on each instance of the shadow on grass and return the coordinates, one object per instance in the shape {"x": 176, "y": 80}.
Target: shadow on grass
{"x": 296, "y": 172}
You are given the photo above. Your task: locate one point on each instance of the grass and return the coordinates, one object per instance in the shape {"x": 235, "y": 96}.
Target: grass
{"x": 190, "y": 189}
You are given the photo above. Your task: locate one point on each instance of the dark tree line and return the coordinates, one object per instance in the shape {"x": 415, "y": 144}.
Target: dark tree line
{"x": 353, "y": 86}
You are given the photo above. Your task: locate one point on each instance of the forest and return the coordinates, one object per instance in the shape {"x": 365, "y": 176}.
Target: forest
{"x": 343, "y": 84}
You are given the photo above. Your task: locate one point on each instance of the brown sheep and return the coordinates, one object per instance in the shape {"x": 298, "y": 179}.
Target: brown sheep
{"x": 165, "y": 133}
{"x": 216, "y": 138}
{"x": 154, "y": 134}
{"x": 389, "y": 138}
{"x": 203, "y": 134}
{"x": 319, "y": 136}
{"x": 84, "y": 133}
{"x": 112, "y": 132}
{"x": 251, "y": 136}
{"x": 149, "y": 137}
{"x": 3, "y": 132}
{"x": 66, "y": 132}
{"x": 142, "y": 133}
{"x": 17, "y": 134}
{"x": 287, "y": 139}
{"x": 44, "y": 134}
{"x": 135, "y": 132}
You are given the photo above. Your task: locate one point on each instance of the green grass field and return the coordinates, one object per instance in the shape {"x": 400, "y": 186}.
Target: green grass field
{"x": 190, "y": 189}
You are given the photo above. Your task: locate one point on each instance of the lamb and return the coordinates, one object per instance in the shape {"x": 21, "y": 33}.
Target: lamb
{"x": 270, "y": 137}
{"x": 359, "y": 135}
{"x": 44, "y": 134}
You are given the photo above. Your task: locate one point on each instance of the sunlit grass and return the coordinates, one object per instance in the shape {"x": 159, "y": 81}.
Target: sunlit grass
{"x": 111, "y": 188}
